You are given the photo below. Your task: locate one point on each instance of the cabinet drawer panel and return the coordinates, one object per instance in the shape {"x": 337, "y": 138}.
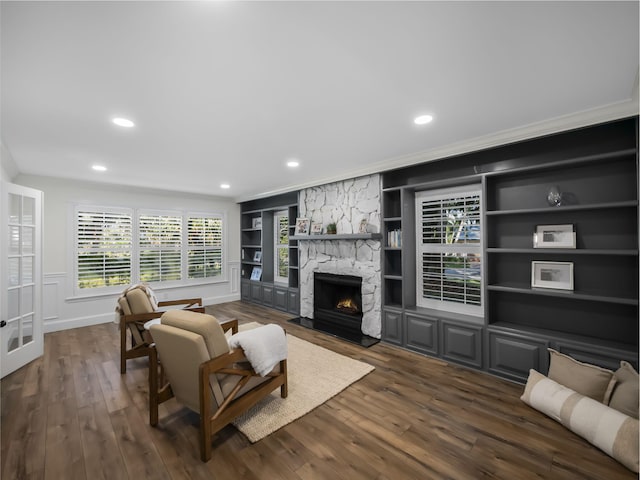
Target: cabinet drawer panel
{"x": 463, "y": 344}
{"x": 422, "y": 334}
{"x": 513, "y": 356}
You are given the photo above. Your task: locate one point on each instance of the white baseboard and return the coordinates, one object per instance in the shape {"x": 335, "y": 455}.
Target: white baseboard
{"x": 55, "y": 325}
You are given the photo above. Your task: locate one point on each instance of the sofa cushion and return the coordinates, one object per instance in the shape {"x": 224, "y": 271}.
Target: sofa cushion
{"x": 611, "y": 431}
{"x": 589, "y": 380}
{"x": 625, "y": 393}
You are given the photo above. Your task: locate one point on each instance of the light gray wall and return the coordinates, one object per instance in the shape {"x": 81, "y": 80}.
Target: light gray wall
{"x": 64, "y": 310}
{"x": 8, "y": 169}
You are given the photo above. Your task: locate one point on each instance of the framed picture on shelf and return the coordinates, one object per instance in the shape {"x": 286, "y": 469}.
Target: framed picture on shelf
{"x": 554, "y": 236}
{"x": 256, "y": 223}
{"x": 556, "y": 275}
{"x": 257, "y": 257}
{"x": 256, "y": 273}
{"x": 302, "y": 226}
{"x": 316, "y": 228}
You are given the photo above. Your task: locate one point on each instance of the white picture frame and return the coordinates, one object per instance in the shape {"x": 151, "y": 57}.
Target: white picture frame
{"x": 256, "y": 223}
{"x": 554, "y": 236}
{"x": 302, "y": 226}
{"x": 316, "y": 228}
{"x": 554, "y": 275}
{"x": 256, "y": 273}
{"x": 257, "y": 256}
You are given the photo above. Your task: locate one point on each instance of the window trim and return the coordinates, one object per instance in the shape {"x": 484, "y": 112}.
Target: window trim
{"x": 443, "y": 305}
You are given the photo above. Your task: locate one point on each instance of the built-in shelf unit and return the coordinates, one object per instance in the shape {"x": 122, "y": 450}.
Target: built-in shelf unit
{"x": 259, "y": 282}
{"x": 596, "y": 171}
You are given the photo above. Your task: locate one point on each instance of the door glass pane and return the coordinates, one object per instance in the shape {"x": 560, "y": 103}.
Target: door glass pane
{"x": 28, "y": 210}
{"x": 27, "y": 269}
{"x": 13, "y": 303}
{"x": 27, "y": 240}
{"x": 14, "y": 208}
{"x": 27, "y": 300}
{"x": 14, "y": 272}
{"x": 13, "y": 332}
{"x": 14, "y": 240}
{"x": 27, "y": 329}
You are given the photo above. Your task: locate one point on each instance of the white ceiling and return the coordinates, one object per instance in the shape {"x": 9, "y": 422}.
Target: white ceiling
{"x": 229, "y": 91}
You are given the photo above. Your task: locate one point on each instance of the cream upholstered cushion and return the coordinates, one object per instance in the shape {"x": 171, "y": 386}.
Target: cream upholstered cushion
{"x": 124, "y": 306}
{"x": 625, "y": 394}
{"x": 589, "y": 380}
{"x": 139, "y": 301}
{"x": 181, "y": 353}
{"x": 613, "y": 432}
{"x": 202, "y": 324}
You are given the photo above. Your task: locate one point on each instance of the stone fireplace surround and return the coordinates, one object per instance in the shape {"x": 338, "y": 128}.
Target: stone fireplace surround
{"x": 345, "y": 203}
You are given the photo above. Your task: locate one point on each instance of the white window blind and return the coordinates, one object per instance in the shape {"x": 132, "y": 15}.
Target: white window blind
{"x": 205, "y": 246}
{"x": 160, "y": 247}
{"x": 449, "y": 250}
{"x": 103, "y": 248}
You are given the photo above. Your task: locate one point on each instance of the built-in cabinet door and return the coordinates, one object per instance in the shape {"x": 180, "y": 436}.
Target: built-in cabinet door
{"x": 245, "y": 290}
{"x": 21, "y": 335}
{"x": 256, "y": 292}
{"x": 267, "y": 295}
{"x": 392, "y": 326}
{"x": 293, "y": 305}
{"x": 280, "y": 298}
{"x": 422, "y": 333}
{"x": 513, "y": 355}
{"x": 462, "y": 343}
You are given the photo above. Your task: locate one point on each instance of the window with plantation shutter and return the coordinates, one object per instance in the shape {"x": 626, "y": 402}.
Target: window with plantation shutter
{"x": 160, "y": 247}
{"x": 281, "y": 247}
{"x": 103, "y": 247}
{"x": 449, "y": 249}
{"x": 205, "y": 246}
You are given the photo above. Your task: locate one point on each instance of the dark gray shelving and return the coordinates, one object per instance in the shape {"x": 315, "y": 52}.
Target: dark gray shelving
{"x": 595, "y": 168}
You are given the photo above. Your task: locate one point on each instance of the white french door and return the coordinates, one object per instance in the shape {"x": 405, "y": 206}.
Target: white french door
{"x": 21, "y": 333}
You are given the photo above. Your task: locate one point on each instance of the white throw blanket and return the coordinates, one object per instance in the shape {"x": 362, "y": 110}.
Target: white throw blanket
{"x": 264, "y": 347}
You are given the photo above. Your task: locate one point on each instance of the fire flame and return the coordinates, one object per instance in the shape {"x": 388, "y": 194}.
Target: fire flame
{"x": 347, "y": 304}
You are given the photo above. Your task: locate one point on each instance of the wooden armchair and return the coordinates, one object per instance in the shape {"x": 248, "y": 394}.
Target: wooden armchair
{"x": 135, "y": 309}
{"x": 204, "y": 374}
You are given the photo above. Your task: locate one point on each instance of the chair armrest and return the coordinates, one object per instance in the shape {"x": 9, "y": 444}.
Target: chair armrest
{"x": 140, "y": 317}
{"x": 189, "y": 302}
{"x": 231, "y": 324}
{"x": 225, "y": 362}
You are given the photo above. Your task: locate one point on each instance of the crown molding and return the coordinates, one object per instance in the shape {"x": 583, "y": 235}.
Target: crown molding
{"x": 606, "y": 113}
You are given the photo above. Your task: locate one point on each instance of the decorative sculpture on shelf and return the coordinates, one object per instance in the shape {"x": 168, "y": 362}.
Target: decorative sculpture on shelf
{"x": 554, "y": 196}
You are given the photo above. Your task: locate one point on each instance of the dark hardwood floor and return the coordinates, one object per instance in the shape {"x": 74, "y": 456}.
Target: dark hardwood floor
{"x": 71, "y": 415}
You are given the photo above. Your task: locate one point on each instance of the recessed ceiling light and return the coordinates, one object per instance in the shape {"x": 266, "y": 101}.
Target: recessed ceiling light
{"x": 293, "y": 163}
{"x": 225, "y": 185}
{"x": 123, "y": 122}
{"x": 422, "y": 119}
{"x": 99, "y": 168}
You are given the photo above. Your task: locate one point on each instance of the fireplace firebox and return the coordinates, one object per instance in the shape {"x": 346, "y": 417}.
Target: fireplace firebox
{"x": 337, "y": 300}
{"x": 337, "y": 308}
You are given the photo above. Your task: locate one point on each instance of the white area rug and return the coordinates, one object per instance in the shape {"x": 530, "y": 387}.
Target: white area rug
{"x": 315, "y": 375}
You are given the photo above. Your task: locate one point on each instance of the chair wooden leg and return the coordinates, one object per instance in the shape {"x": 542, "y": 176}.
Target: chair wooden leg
{"x": 205, "y": 416}
{"x": 153, "y": 387}
{"x": 123, "y": 348}
{"x": 284, "y": 389}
